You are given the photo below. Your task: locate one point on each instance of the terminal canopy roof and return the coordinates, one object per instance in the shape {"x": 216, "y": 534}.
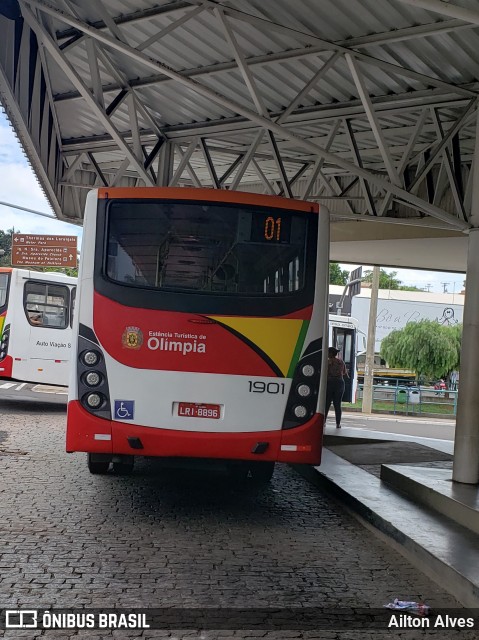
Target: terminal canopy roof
{"x": 367, "y": 107}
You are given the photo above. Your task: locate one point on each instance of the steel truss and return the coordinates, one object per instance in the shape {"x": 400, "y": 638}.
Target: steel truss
{"x": 398, "y": 157}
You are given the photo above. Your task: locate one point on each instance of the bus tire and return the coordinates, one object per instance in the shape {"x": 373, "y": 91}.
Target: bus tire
{"x": 124, "y": 465}
{"x": 254, "y": 473}
{"x": 260, "y": 472}
{"x": 98, "y": 463}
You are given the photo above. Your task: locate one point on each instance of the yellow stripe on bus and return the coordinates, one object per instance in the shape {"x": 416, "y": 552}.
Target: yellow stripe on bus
{"x": 276, "y": 337}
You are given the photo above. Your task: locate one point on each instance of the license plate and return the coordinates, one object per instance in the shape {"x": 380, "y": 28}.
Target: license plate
{"x": 198, "y": 410}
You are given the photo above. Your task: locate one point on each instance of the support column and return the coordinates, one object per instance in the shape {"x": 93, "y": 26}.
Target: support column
{"x": 368, "y": 388}
{"x": 466, "y": 442}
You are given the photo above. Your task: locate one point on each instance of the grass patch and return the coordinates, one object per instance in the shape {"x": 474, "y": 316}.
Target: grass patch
{"x": 441, "y": 408}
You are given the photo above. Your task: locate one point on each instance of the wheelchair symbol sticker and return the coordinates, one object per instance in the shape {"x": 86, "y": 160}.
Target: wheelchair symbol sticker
{"x": 124, "y": 409}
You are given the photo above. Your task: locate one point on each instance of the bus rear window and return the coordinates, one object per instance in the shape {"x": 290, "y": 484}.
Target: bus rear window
{"x": 191, "y": 247}
{"x": 3, "y": 289}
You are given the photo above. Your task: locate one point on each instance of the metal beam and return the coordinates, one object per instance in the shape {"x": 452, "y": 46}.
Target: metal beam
{"x": 65, "y": 66}
{"x": 467, "y": 114}
{"x": 357, "y": 156}
{"x": 268, "y": 25}
{"x": 209, "y": 164}
{"x": 254, "y": 117}
{"x": 446, "y": 9}
{"x": 171, "y": 27}
{"x": 373, "y": 120}
{"x": 447, "y": 163}
{"x": 242, "y": 65}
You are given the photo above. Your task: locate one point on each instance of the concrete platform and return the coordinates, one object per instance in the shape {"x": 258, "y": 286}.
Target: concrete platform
{"x": 414, "y": 506}
{"x": 434, "y": 489}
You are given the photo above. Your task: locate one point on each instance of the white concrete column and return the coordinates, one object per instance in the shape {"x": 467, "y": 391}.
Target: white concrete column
{"x": 466, "y": 444}
{"x": 368, "y": 387}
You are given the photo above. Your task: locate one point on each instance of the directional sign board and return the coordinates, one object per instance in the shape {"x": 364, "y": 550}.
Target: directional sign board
{"x": 355, "y": 275}
{"x": 43, "y": 251}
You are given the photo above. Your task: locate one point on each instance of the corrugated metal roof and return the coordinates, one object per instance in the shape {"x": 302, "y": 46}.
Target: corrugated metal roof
{"x": 410, "y": 61}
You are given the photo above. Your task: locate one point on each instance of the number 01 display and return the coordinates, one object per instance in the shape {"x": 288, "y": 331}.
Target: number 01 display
{"x": 272, "y": 229}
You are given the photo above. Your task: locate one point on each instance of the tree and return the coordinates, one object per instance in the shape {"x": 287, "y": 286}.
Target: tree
{"x": 6, "y": 247}
{"x": 337, "y": 275}
{"x": 456, "y": 336}
{"x": 68, "y": 271}
{"x": 426, "y": 347}
{"x": 388, "y": 280}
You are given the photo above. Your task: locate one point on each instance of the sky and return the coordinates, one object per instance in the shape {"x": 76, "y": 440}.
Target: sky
{"x": 19, "y": 186}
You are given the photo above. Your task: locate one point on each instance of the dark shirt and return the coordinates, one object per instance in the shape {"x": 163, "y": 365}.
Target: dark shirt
{"x": 336, "y": 368}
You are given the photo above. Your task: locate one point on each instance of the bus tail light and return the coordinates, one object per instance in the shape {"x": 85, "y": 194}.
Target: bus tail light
{"x": 4, "y": 342}
{"x": 303, "y": 396}
{"x": 92, "y": 379}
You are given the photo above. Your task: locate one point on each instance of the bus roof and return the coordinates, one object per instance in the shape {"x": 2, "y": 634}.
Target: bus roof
{"x": 40, "y": 275}
{"x": 207, "y": 195}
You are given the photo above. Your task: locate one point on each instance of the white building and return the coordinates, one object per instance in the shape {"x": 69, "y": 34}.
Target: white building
{"x": 396, "y": 308}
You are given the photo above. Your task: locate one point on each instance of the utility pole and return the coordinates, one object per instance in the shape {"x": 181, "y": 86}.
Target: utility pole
{"x": 368, "y": 388}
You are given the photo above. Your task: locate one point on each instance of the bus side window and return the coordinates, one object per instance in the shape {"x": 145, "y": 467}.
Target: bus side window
{"x": 47, "y": 305}
{"x": 35, "y": 318}
{"x": 72, "y": 308}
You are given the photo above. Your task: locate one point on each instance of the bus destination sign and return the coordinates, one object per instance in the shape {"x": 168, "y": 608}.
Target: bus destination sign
{"x": 43, "y": 250}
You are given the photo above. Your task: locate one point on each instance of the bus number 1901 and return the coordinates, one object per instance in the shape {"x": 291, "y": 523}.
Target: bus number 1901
{"x": 257, "y": 386}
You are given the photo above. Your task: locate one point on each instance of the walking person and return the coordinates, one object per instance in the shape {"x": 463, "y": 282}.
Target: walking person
{"x": 335, "y": 384}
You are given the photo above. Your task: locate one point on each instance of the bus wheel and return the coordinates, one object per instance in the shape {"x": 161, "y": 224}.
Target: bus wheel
{"x": 124, "y": 465}
{"x": 252, "y": 473}
{"x": 98, "y": 463}
{"x": 260, "y": 472}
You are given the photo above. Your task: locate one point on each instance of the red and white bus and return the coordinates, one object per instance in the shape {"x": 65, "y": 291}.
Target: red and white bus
{"x": 199, "y": 327}
{"x": 36, "y": 310}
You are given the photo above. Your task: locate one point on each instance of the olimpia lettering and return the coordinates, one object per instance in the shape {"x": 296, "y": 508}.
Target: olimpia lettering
{"x": 163, "y": 344}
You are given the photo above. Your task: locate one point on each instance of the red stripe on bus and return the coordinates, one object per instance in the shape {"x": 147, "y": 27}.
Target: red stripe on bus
{"x": 168, "y": 341}
{"x": 6, "y": 366}
{"x": 301, "y": 314}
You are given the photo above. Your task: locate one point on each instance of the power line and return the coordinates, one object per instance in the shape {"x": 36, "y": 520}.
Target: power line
{"x": 444, "y": 286}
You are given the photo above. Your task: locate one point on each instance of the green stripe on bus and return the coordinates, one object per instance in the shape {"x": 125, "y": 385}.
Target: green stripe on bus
{"x": 298, "y": 348}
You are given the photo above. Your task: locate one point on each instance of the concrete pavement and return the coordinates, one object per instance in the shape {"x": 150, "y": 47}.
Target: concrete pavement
{"x": 399, "y": 485}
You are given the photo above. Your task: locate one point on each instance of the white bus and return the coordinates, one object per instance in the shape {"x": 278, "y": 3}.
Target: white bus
{"x": 343, "y": 332}
{"x": 36, "y": 311}
{"x": 199, "y": 329}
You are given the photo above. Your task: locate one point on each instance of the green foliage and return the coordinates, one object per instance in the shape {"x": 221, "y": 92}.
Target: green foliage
{"x": 456, "y": 335}
{"x": 337, "y": 275}
{"x": 426, "y": 347}
{"x": 68, "y": 271}
{"x": 6, "y": 245}
{"x": 388, "y": 280}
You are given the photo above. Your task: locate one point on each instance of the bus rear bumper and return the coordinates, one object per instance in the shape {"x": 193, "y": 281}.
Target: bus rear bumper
{"x": 6, "y": 367}
{"x": 85, "y": 432}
